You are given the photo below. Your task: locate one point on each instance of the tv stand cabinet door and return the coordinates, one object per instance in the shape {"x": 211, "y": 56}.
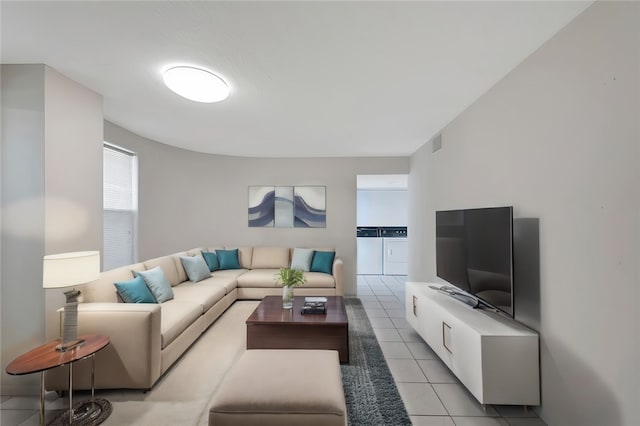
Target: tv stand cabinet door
{"x": 426, "y": 318}
{"x": 466, "y": 359}
{"x": 455, "y": 343}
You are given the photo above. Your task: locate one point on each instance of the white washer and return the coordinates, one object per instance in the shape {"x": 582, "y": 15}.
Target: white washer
{"x": 369, "y": 255}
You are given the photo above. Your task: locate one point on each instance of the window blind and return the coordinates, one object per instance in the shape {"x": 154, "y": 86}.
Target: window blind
{"x": 120, "y": 207}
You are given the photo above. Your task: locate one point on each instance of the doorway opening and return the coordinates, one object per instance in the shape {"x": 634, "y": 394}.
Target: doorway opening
{"x": 381, "y": 225}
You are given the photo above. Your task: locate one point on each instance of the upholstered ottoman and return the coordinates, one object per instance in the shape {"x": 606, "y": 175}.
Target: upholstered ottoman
{"x": 281, "y": 387}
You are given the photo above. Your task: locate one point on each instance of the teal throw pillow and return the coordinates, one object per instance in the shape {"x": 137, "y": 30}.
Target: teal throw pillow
{"x": 212, "y": 260}
{"x": 228, "y": 259}
{"x": 158, "y": 283}
{"x": 301, "y": 259}
{"x": 323, "y": 261}
{"x": 195, "y": 267}
{"x": 134, "y": 291}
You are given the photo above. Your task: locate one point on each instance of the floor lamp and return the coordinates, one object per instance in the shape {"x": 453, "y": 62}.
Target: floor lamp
{"x": 68, "y": 270}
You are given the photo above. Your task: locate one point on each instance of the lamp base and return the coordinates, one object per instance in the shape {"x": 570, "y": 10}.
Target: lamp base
{"x": 86, "y": 413}
{"x": 70, "y": 326}
{"x": 67, "y": 346}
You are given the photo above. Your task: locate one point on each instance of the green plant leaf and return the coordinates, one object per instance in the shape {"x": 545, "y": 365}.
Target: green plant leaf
{"x": 288, "y": 277}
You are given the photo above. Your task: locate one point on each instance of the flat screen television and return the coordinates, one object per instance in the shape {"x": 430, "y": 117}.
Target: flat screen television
{"x": 474, "y": 252}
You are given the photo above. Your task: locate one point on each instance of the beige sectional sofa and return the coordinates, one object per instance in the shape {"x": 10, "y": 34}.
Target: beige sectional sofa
{"x": 146, "y": 339}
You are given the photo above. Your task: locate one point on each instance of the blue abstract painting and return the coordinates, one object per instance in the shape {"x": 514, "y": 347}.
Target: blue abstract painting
{"x": 310, "y": 207}
{"x": 284, "y": 207}
{"x": 287, "y": 207}
{"x": 262, "y": 206}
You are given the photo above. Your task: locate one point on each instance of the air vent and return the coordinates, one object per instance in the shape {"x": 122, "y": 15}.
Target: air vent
{"x": 437, "y": 143}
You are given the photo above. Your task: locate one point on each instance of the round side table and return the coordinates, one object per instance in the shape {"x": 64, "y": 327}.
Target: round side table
{"x": 45, "y": 357}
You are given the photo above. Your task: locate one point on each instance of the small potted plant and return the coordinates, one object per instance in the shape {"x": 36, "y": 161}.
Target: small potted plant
{"x": 289, "y": 278}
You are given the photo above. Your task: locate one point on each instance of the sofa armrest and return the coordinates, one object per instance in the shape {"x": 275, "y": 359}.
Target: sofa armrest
{"x": 132, "y": 360}
{"x": 338, "y": 275}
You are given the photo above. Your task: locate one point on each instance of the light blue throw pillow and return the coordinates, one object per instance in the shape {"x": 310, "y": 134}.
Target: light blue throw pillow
{"x": 228, "y": 259}
{"x": 158, "y": 284}
{"x": 195, "y": 267}
{"x": 212, "y": 260}
{"x": 323, "y": 261}
{"x": 134, "y": 291}
{"x": 301, "y": 259}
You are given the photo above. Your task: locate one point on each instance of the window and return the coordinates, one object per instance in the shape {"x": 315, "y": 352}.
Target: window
{"x": 120, "y": 207}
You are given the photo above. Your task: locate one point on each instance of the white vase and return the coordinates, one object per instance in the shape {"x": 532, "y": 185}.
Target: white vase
{"x": 287, "y": 297}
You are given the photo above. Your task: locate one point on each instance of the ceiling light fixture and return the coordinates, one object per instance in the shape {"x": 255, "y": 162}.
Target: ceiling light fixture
{"x": 196, "y": 84}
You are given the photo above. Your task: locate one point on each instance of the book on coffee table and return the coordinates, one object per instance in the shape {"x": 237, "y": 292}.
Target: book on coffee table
{"x": 314, "y": 310}
{"x": 314, "y": 305}
{"x": 315, "y": 299}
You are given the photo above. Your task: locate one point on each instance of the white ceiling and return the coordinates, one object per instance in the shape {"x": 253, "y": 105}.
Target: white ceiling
{"x": 308, "y": 79}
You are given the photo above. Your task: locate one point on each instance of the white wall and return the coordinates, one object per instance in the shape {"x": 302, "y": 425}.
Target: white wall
{"x": 378, "y": 207}
{"x": 51, "y": 199}
{"x": 189, "y": 199}
{"x": 73, "y": 175}
{"x": 22, "y": 218}
{"x": 559, "y": 139}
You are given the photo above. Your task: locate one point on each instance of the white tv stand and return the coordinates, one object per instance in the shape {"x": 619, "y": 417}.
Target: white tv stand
{"x": 495, "y": 357}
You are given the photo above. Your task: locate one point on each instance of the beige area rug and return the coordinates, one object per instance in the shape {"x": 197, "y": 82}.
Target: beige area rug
{"x": 182, "y": 396}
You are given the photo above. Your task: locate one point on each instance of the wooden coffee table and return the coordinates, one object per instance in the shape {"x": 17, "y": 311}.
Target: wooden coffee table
{"x": 271, "y": 327}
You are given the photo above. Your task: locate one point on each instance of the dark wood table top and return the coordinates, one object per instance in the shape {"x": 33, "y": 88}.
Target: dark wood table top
{"x": 270, "y": 311}
{"x": 45, "y": 357}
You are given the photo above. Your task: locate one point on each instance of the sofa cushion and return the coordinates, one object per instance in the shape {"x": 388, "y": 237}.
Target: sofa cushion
{"x": 244, "y": 255}
{"x": 212, "y": 260}
{"x": 258, "y": 278}
{"x": 134, "y": 291}
{"x": 182, "y": 274}
{"x": 229, "y": 273}
{"x": 229, "y": 284}
{"x": 102, "y": 289}
{"x": 270, "y": 258}
{"x": 301, "y": 259}
{"x": 176, "y": 316}
{"x": 319, "y": 279}
{"x": 195, "y": 267}
{"x": 157, "y": 283}
{"x": 168, "y": 266}
{"x": 228, "y": 259}
{"x": 323, "y": 261}
{"x": 206, "y": 292}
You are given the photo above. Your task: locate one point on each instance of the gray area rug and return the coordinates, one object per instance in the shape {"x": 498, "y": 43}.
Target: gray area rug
{"x": 371, "y": 394}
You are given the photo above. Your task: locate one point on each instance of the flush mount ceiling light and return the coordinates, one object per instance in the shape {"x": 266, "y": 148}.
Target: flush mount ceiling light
{"x": 196, "y": 84}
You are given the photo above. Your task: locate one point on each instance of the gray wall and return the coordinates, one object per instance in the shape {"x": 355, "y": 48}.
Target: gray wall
{"x": 559, "y": 139}
{"x": 382, "y": 207}
{"x": 51, "y": 198}
{"x": 22, "y": 217}
{"x": 189, "y": 199}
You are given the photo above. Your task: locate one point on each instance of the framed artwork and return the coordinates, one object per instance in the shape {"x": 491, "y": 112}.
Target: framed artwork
{"x": 287, "y": 206}
{"x": 310, "y": 209}
{"x": 262, "y": 206}
{"x": 284, "y": 207}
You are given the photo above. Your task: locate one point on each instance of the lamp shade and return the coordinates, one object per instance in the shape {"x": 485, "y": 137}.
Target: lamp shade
{"x": 69, "y": 269}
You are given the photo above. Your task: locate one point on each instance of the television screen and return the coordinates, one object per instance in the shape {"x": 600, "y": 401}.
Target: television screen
{"x": 474, "y": 252}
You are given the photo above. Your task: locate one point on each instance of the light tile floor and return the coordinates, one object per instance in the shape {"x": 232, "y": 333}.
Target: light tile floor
{"x": 432, "y": 395}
